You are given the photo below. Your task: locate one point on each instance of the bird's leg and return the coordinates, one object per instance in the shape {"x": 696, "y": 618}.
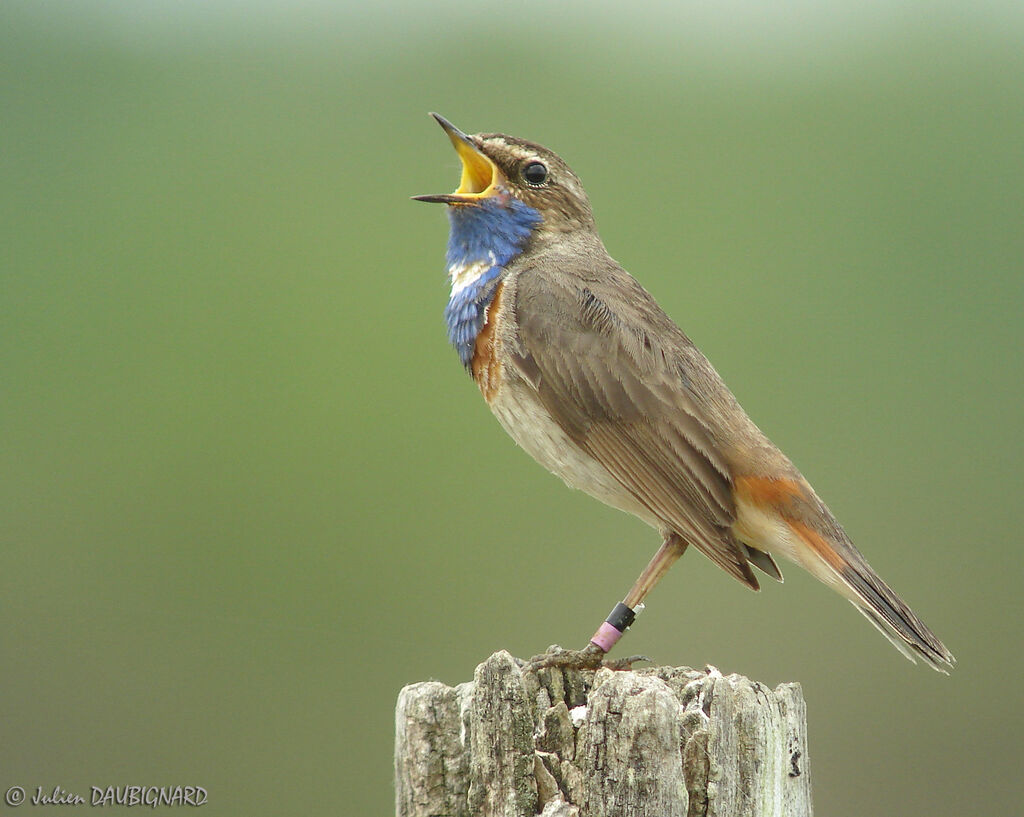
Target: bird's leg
{"x": 620, "y": 618}
{"x": 671, "y": 549}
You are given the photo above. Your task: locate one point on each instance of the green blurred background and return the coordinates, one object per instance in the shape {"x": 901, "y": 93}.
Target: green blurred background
{"x": 248, "y": 492}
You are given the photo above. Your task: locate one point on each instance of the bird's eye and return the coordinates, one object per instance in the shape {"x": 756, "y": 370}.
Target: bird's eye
{"x": 535, "y": 173}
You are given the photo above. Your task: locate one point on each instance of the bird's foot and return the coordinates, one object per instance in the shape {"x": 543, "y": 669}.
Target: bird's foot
{"x": 590, "y": 657}
{"x": 624, "y": 664}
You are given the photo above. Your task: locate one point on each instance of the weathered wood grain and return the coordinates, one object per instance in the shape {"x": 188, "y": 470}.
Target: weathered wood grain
{"x": 662, "y": 741}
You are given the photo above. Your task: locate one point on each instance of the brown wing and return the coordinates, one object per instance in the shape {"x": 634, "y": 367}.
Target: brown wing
{"x": 594, "y": 354}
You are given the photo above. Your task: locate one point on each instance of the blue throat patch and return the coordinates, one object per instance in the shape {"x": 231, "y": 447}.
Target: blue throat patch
{"x": 493, "y": 232}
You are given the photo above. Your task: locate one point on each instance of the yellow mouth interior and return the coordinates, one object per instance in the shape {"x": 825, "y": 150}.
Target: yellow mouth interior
{"x": 479, "y": 174}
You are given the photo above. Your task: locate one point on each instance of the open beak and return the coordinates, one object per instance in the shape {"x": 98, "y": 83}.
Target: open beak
{"x": 480, "y": 176}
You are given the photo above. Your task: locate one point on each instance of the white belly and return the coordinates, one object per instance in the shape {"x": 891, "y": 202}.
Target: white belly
{"x": 526, "y": 421}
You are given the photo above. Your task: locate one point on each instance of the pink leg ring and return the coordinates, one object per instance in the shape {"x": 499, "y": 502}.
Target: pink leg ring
{"x": 605, "y": 637}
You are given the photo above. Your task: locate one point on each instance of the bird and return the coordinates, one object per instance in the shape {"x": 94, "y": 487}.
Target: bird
{"x": 588, "y": 374}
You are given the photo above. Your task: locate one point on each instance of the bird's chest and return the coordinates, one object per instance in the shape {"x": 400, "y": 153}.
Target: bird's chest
{"x": 521, "y": 413}
{"x": 478, "y": 319}
{"x": 488, "y": 349}
{"x": 517, "y": 406}
{"x": 484, "y": 239}
{"x": 475, "y": 287}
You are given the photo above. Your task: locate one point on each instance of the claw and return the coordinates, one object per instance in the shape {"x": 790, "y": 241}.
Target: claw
{"x": 624, "y": 664}
{"x": 590, "y": 657}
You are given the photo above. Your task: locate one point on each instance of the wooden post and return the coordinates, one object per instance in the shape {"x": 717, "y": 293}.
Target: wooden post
{"x": 657, "y": 742}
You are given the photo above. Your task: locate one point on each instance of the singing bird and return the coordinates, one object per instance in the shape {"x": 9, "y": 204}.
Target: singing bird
{"x": 587, "y": 373}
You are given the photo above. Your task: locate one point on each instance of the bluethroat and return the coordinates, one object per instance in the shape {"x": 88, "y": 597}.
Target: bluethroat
{"x": 587, "y": 373}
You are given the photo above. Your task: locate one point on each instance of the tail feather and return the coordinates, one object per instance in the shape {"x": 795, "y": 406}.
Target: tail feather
{"x": 837, "y": 555}
{"x": 880, "y": 624}
{"x": 762, "y": 561}
{"x": 783, "y": 515}
{"x": 893, "y": 618}
{"x": 940, "y": 661}
{"x": 874, "y": 598}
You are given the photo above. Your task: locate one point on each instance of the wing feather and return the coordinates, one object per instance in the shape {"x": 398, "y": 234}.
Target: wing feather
{"x": 620, "y": 395}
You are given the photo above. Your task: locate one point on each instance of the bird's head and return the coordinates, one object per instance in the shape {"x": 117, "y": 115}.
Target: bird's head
{"x": 508, "y": 181}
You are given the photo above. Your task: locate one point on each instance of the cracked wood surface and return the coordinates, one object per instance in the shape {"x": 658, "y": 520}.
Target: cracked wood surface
{"x": 661, "y": 741}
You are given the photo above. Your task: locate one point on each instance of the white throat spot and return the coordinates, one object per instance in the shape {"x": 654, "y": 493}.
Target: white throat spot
{"x": 464, "y": 275}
